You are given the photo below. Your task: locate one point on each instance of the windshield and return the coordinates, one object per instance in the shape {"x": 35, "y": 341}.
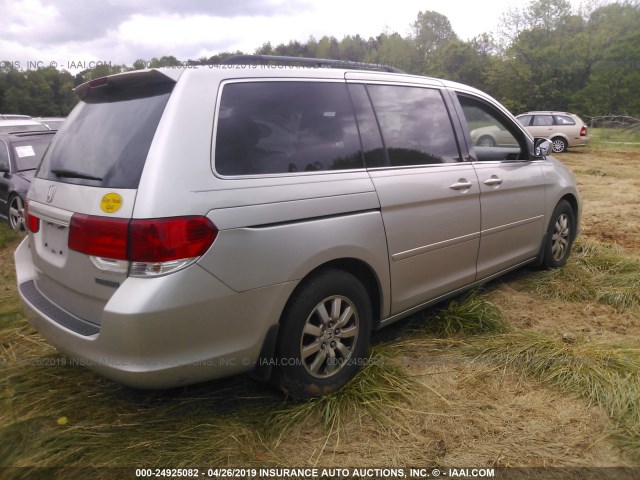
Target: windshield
{"x": 107, "y": 137}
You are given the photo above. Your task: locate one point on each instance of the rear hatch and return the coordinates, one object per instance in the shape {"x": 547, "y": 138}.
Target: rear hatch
{"x": 84, "y": 191}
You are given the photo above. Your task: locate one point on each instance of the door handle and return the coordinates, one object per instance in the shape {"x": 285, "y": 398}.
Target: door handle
{"x": 494, "y": 180}
{"x": 461, "y": 184}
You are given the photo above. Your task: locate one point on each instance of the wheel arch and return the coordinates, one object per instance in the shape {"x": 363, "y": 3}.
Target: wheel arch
{"x": 356, "y": 267}
{"x": 359, "y": 269}
{"x": 573, "y": 202}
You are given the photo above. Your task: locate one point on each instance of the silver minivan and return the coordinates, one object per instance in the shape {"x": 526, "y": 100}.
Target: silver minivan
{"x": 191, "y": 224}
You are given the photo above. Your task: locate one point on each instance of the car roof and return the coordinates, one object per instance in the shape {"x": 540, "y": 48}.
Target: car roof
{"x": 162, "y": 75}
{"x": 14, "y": 116}
{"x": 46, "y": 119}
{"x": 545, "y": 112}
{"x": 18, "y": 121}
{"x": 11, "y": 126}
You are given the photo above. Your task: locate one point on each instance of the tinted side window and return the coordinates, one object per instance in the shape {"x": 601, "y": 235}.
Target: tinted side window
{"x": 107, "y": 137}
{"x": 374, "y": 152}
{"x": 279, "y": 127}
{"x": 415, "y": 125}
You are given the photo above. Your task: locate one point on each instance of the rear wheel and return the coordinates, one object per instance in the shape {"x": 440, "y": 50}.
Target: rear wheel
{"x": 560, "y": 235}
{"x": 16, "y": 213}
{"x": 558, "y": 145}
{"x": 324, "y": 335}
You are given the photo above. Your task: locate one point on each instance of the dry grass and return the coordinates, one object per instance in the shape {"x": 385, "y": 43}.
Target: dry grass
{"x": 595, "y": 273}
{"x": 607, "y": 375}
{"x": 470, "y": 383}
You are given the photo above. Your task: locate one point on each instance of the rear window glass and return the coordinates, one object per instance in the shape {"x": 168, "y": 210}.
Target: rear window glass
{"x": 564, "y": 120}
{"x": 107, "y": 137}
{"x": 27, "y": 155}
{"x": 286, "y": 127}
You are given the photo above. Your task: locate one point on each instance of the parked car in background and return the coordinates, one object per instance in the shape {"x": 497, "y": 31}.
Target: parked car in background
{"x": 20, "y": 154}
{"x": 192, "y": 224}
{"x": 52, "y": 123}
{"x": 21, "y": 125}
{"x": 14, "y": 116}
{"x": 562, "y": 128}
{"x": 493, "y": 136}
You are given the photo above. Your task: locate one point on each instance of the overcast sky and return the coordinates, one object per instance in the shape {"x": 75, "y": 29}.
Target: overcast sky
{"x": 121, "y": 31}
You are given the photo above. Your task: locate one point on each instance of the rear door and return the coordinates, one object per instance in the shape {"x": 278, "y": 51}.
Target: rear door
{"x": 92, "y": 170}
{"x": 541, "y": 126}
{"x": 428, "y": 195}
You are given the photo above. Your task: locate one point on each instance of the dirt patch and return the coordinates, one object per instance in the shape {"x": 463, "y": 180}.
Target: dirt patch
{"x": 608, "y": 182}
{"x": 568, "y": 320}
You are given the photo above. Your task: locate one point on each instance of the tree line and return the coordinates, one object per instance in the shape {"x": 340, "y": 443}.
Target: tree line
{"x": 543, "y": 57}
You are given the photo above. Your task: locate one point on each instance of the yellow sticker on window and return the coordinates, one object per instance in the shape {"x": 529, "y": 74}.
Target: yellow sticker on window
{"x": 111, "y": 203}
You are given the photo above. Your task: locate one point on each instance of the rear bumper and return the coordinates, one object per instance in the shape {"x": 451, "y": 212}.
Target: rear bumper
{"x": 163, "y": 332}
{"x": 579, "y": 142}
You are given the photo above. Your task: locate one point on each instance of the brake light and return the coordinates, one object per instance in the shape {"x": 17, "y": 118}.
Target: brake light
{"x": 583, "y": 131}
{"x": 32, "y": 222}
{"x": 99, "y": 82}
{"x": 153, "y": 246}
{"x": 170, "y": 239}
{"x": 99, "y": 236}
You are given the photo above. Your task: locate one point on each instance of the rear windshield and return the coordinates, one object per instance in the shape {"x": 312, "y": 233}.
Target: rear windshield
{"x": 27, "y": 155}
{"x": 106, "y": 139}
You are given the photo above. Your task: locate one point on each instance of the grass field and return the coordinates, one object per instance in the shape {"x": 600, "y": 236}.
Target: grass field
{"x": 539, "y": 368}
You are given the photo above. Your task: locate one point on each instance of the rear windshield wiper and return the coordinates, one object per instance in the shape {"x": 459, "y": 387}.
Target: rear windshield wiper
{"x": 61, "y": 172}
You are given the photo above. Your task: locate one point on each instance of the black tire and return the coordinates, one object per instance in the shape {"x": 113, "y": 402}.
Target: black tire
{"x": 560, "y": 235}
{"x": 324, "y": 335}
{"x": 486, "y": 141}
{"x": 15, "y": 215}
{"x": 558, "y": 145}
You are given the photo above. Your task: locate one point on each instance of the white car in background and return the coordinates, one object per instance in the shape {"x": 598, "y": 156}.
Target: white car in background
{"x": 20, "y": 125}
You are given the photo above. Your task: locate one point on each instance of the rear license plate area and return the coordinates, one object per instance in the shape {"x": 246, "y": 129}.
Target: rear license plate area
{"x": 54, "y": 239}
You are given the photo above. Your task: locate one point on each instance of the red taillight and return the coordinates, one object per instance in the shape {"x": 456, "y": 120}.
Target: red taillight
{"x": 167, "y": 239}
{"x": 32, "y": 222}
{"x": 157, "y": 240}
{"x": 99, "y": 236}
{"x": 583, "y": 131}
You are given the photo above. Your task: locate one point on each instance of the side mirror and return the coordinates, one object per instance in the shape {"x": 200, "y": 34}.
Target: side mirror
{"x": 4, "y": 167}
{"x": 541, "y": 147}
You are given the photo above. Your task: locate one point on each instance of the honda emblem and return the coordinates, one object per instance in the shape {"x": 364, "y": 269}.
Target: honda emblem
{"x": 51, "y": 193}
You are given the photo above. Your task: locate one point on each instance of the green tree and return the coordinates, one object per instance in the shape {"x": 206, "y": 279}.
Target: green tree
{"x": 396, "y": 51}
{"x": 431, "y": 31}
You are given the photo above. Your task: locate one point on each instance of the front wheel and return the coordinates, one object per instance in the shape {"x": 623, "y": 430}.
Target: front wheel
{"x": 324, "y": 335}
{"x": 560, "y": 235}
